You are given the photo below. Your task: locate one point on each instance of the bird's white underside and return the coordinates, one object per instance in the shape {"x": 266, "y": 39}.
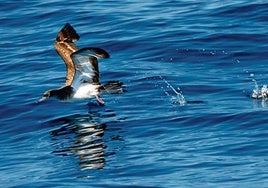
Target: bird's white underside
{"x": 84, "y": 90}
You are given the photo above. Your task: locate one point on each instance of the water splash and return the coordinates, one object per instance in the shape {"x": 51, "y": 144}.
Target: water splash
{"x": 178, "y": 98}
{"x": 259, "y": 94}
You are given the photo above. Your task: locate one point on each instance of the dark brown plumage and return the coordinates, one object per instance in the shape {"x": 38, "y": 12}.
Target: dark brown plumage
{"x": 65, "y": 46}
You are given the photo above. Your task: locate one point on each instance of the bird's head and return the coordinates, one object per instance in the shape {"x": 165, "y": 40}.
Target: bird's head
{"x": 47, "y": 94}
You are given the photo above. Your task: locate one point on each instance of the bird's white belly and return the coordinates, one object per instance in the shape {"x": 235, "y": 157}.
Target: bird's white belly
{"x": 86, "y": 91}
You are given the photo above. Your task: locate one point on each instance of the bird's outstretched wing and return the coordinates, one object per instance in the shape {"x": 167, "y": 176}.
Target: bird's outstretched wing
{"x": 86, "y": 65}
{"x": 65, "y": 46}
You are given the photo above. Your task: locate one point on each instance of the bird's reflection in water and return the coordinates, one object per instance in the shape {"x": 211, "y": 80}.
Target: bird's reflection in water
{"x": 89, "y": 146}
{"x": 83, "y": 137}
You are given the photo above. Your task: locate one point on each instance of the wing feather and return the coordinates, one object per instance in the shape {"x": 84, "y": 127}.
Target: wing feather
{"x": 64, "y": 44}
{"x": 86, "y": 65}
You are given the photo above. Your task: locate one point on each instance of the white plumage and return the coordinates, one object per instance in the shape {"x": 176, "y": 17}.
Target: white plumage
{"x": 86, "y": 91}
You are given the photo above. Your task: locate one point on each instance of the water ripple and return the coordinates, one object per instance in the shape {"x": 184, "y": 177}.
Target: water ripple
{"x": 208, "y": 54}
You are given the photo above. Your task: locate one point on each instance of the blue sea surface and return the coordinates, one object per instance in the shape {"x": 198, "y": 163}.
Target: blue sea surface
{"x": 186, "y": 118}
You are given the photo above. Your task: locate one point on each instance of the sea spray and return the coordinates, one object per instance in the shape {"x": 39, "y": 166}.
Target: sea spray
{"x": 259, "y": 94}
{"x": 178, "y": 98}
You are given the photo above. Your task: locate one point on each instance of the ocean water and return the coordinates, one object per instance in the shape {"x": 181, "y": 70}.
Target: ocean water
{"x": 186, "y": 118}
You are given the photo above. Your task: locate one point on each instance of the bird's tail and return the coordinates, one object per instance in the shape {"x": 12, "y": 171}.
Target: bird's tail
{"x": 112, "y": 87}
{"x": 67, "y": 34}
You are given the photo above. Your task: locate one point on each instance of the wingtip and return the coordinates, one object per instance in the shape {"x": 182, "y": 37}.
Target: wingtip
{"x": 93, "y": 51}
{"x": 99, "y": 52}
{"x": 68, "y": 34}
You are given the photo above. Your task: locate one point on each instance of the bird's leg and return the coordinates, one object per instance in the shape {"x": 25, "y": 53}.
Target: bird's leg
{"x": 99, "y": 99}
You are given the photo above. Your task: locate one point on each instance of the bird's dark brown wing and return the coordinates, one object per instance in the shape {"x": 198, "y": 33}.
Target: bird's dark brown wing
{"x": 65, "y": 46}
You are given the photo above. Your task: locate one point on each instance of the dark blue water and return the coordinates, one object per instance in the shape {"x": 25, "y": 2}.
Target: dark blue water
{"x": 211, "y": 53}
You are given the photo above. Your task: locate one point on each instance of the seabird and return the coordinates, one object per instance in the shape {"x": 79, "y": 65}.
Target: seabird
{"x": 82, "y": 76}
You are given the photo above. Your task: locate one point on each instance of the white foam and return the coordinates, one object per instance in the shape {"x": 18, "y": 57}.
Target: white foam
{"x": 259, "y": 94}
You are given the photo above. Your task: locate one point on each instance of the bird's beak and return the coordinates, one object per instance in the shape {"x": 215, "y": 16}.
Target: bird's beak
{"x": 42, "y": 99}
